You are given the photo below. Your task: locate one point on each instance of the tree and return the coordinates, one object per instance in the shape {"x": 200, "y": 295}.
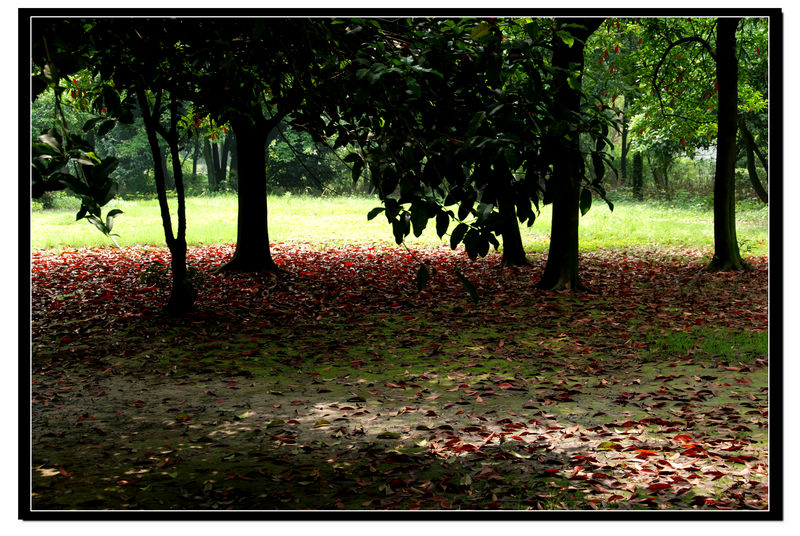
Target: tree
{"x": 694, "y": 99}
{"x": 444, "y": 116}
{"x": 569, "y": 40}
{"x": 238, "y": 84}
{"x": 129, "y": 66}
{"x": 183, "y": 294}
{"x": 726, "y": 248}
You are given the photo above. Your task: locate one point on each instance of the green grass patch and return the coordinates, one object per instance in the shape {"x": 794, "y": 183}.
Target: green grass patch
{"x": 704, "y": 344}
{"x": 338, "y": 221}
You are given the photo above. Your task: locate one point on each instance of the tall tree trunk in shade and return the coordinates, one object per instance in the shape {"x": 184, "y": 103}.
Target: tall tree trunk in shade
{"x": 561, "y": 270}
{"x": 726, "y": 247}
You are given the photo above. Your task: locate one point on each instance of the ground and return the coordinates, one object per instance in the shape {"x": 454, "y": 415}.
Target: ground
{"x": 337, "y": 385}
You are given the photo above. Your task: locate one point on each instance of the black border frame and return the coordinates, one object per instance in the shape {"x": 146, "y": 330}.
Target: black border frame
{"x": 776, "y": 289}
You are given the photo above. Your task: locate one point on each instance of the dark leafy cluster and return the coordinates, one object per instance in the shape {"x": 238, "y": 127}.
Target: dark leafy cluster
{"x": 453, "y": 120}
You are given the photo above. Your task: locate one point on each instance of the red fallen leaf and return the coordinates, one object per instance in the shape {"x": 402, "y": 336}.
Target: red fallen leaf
{"x": 616, "y": 49}
{"x": 505, "y": 385}
{"x": 758, "y": 50}
{"x": 292, "y": 421}
{"x": 656, "y": 487}
{"x": 128, "y": 482}
{"x": 682, "y": 437}
{"x": 551, "y": 471}
{"x": 231, "y": 384}
{"x": 65, "y": 473}
{"x": 683, "y": 142}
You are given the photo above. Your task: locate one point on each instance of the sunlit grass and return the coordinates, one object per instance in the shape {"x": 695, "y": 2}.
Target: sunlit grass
{"x": 342, "y": 220}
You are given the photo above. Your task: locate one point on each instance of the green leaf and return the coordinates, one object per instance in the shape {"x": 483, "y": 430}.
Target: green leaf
{"x": 90, "y": 124}
{"x": 479, "y": 31}
{"x": 586, "y": 201}
{"x": 567, "y": 38}
{"x": 110, "y": 218}
{"x": 423, "y": 276}
{"x": 388, "y": 435}
{"x": 99, "y": 224}
{"x": 442, "y": 223}
{"x": 374, "y": 212}
{"x": 357, "y": 167}
{"x": 106, "y": 127}
{"x": 468, "y": 286}
{"x": 419, "y": 218}
{"x": 458, "y": 234}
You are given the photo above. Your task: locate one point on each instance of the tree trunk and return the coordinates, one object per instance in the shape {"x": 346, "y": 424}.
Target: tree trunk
{"x": 168, "y": 179}
{"x": 222, "y": 172}
{"x": 213, "y": 184}
{"x": 623, "y": 167}
{"x": 513, "y": 251}
{"x": 252, "y": 238}
{"x": 182, "y": 296}
{"x": 749, "y": 147}
{"x": 195, "y": 157}
{"x": 561, "y": 270}
{"x": 638, "y": 177}
{"x": 233, "y": 176}
{"x": 726, "y": 247}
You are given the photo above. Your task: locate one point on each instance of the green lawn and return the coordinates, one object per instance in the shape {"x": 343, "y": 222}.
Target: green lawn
{"x": 342, "y": 220}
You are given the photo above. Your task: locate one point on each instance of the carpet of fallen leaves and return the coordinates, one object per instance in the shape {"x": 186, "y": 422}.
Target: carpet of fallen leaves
{"x": 335, "y": 384}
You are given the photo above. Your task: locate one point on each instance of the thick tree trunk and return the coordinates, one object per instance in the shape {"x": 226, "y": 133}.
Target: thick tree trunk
{"x": 726, "y": 247}
{"x": 252, "y": 238}
{"x": 513, "y": 251}
{"x": 561, "y": 270}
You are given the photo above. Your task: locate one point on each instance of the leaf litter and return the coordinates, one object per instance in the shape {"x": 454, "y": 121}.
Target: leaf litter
{"x": 336, "y": 384}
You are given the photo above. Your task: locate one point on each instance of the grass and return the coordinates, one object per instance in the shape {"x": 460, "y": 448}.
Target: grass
{"x": 710, "y": 344}
{"x": 342, "y": 220}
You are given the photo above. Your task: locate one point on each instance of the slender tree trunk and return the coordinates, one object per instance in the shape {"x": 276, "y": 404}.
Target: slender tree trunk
{"x": 233, "y": 177}
{"x": 182, "y": 296}
{"x": 223, "y": 160}
{"x": 623, "y": 167}
{"x": 211, "y": 173}
{"x": 749, "y": 147}
{"x": 169, "y": 181}
{"x": 561, "y": 270}
{"x": 252, "y": 238}
{"x": 638, "y": 177}
{"x": 195, "y": 157}
{"x": 726, "y": 247}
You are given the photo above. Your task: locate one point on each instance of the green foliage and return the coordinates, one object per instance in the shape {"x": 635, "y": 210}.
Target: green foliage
{"x": 442, "y": 117}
